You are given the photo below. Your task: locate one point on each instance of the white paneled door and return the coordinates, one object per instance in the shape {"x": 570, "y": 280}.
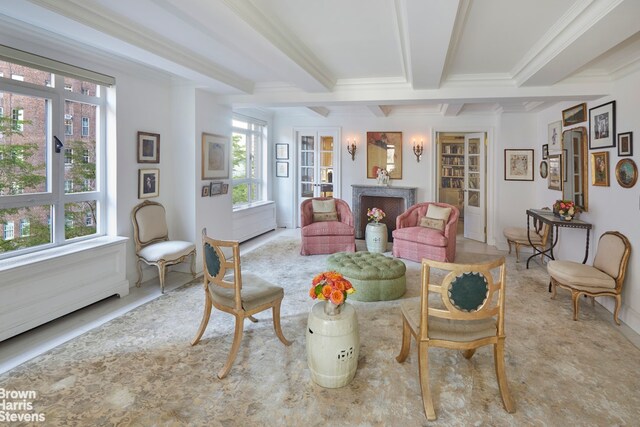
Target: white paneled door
{"x": 474, "y": 191}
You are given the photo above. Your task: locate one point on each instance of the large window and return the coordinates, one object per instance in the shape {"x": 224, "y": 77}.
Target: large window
{"x": 249, "y": 137}
{"x": 54, "y": 196}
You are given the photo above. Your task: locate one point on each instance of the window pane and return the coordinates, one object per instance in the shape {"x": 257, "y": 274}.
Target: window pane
{"x": 80, "y": 149}
{"x": 80, "y": 219}
{"x": 240, "y": 194}
{"x": 25, "y": 74}
{"x": 254, "y": 157}
{"x": 239, "y": 156}
{"x": 23, "y": 144}
{"x": 24, "y": 227}
{"x": 79, "y": 86}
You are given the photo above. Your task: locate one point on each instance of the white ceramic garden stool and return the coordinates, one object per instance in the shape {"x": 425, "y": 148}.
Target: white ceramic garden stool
{"x": 333, "y": 345}
{"x": 376, "y": 237}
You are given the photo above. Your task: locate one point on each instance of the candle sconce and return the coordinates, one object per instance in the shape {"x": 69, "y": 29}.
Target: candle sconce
{"x": 417, "y": 150}
{"x": 351, "y": 149}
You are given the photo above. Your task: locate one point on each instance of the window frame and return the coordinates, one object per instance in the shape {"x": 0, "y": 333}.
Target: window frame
{"x": 259, "y": 129}
{"x": 54, "y": 194}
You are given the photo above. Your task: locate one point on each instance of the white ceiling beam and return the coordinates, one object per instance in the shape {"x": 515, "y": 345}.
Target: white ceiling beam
{"x": 318, "y": 111}
{"x": 312, "y": 75}
{"x": 429, "y": 30}
{"x": 170, "y": 54}
{"x": 379, "y": 110}
{"x": 584, "y": 33}
{"x": 452, "y": 110}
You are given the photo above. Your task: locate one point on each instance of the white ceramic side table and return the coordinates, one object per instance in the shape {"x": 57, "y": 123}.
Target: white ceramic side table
{"x": 333, "y": 345}
{"x": 376, "y": 237}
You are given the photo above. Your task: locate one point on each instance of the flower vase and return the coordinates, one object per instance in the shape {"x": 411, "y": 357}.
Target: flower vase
{"x": 331, "y": 309}
{"x": 376, "y": 237}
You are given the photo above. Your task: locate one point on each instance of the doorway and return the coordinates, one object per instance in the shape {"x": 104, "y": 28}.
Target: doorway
{"x": 461, "y": 166}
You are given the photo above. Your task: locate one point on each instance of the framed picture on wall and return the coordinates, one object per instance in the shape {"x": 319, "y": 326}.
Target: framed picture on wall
{"x": 148, "y": 183}
{"x": 554, "y": 136}
{"x": 518, "y": 165}
{"x": 574, "y": 115}
{"x": 600, "y": 168}
{"x": 555, "y": 172}
{"x": 602, "y": 126}
{"x": 282, "y": 151}
{"x": 626, "y": 173}
{"x": 215, "y": 156}
{"x": 545, "y": 151}
{"x": 148, "y": 147}
{"x": 216, "y": 189}
{"x": 384, "y": 151}
{"x": 625, "y": 144}
{"x": 282, "y": 169}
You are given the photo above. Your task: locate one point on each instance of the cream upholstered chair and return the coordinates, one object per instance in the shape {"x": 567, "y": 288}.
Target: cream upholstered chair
{"x": 152, "y": 242}
{"x": 605, "y": 277}
{"x": 228, "y": 290}
{"x": 518, "y": 237}
{"x": 469, "y": 314}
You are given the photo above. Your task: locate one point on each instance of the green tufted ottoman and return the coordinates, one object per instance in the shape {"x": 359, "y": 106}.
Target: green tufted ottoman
{"x": 375, "y": 276}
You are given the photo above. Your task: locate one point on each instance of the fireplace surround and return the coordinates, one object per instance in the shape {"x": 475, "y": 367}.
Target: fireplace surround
{"x": 364, "y": 195}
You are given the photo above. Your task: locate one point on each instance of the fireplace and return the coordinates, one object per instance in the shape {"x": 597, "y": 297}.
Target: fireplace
{"x": 392, "y": 200}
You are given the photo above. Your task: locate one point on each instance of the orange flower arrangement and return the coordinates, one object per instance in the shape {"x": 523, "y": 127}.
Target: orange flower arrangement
{"x": 331, "y": 286}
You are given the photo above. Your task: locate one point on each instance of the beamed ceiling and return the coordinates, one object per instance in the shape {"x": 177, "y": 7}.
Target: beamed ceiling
{"x": 448, "y": 57}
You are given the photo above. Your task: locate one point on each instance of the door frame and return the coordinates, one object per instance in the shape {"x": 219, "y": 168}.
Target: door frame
{"x": 337, "y": 166}
{"x": 491, "y": 164}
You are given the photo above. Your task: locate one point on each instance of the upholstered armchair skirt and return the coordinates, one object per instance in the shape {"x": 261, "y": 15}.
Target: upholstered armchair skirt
{"x": 414, "y": 242}
{"x": 327, "y": 237}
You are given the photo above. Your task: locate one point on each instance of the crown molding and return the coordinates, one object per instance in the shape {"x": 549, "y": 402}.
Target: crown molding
{"x": 400, "y": 9}
{"x": 284, "y": 42}
{"x": 123, "y": 29}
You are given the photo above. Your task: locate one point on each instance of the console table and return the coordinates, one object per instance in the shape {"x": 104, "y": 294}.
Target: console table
{"x": 554, "y": 222}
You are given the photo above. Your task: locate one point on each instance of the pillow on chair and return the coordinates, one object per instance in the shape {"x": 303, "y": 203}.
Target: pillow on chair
{"x": 436, "y": 212}
{"x": 436, "y": 224}
{"x": 324, "y": 210}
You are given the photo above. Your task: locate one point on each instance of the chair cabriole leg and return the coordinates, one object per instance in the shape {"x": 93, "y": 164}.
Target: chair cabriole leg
{"x": 617, "y": 309}
{"x": 276, "y": 323}
{"x": 205, "y": 319}
{"x": 498, "y": 356}
{"x": 423, "y": 366}
{"x": 406, "y": 341}
{"x": 237, "y": 337}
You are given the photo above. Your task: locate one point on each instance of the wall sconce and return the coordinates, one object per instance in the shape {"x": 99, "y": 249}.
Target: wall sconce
{"x": 351, "y": 149}
{"x": 418, "y": 149}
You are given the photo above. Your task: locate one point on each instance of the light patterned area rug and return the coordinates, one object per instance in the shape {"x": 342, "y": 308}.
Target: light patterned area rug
{"x": 139, "y": 369}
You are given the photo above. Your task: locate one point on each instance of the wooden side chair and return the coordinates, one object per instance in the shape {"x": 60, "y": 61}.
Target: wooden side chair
{"x": 153, "y": 246}
{"x": 604, "y": 278}
{"x": 228, "y": 290}
{"x": 518, "y": 237}
{"x": 469, "y": 314}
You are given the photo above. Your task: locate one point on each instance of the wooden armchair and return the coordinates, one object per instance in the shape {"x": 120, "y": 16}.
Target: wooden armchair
{"x": 471, "y": 315}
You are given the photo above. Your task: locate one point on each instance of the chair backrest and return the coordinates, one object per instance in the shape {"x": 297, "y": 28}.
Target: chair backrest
{"x": 467, "y": 292}
{"x": 149, "y": 224}
{"x": 612, "y": 255}
{"x": 342, "y": 207}
{"x": 219, "y": 269}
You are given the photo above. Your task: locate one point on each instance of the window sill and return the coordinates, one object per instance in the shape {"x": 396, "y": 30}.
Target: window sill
{"x": 59, "y": 251}
{"x": 252, "y": 206}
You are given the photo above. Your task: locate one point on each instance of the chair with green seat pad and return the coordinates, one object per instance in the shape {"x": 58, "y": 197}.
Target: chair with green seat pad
{"x": 469, "y": 314}
{"x": 374, "y": 276}
{"x": 241, "y": 295}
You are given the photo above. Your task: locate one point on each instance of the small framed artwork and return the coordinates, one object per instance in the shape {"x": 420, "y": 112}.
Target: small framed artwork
{"x": 225, "y": 188}
{"x": 625, "y": 144}
{"x": 148, "y": 183}
{"x": 216, "y": 188}
{"x": 148, "y": 147}
{"x": 545, "y": 151}
{"x": 602, "y": 126}
{"x": 626, "y": 173}
{"x": 544, "y": 169}
{"x": 600, "y": 168}
{"x": 282, "y": 169}
{"x": 554, "y": 136}
{"x": 518, "y": 165}
{"x": 215, "y": 156}
{"x": 282, "y": 151}
{"x": 555, "y": 172}
{"x": 205, "y": 190}
{"x": 574, "y": 115}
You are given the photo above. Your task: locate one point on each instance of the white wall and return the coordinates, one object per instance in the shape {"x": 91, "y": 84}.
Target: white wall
{"x": 610, "y": 208}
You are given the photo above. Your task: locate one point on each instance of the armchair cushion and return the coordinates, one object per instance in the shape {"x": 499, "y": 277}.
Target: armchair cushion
{"x": 437, "y": 212}
{"x": 324, "y": 210}
{"x": 151, "y": 223}
{"x": 425, "y": 236}
{"x": 436, "y": 224}
{"x": 327, "y": 228}
{"x": 169, "y": 250}
{"x": 580, "y": 276}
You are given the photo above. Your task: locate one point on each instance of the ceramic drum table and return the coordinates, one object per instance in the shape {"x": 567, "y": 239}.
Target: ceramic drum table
{"x": 374, "y": 276}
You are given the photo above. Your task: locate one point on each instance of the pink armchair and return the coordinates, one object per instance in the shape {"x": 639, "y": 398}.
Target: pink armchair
{"x": 411, "y": 241}
{"x": 327, "y": 237}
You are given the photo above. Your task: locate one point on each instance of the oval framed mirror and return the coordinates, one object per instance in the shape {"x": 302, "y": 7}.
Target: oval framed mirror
{"x": 576, "y": 185}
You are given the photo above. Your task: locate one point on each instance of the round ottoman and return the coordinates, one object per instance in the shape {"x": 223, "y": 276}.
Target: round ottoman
{"x": 375, "y": 276}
